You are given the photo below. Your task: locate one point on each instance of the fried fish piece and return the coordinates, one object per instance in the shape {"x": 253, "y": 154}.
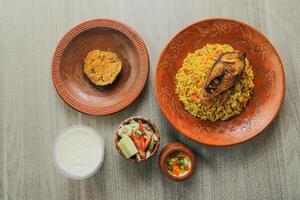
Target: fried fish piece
{"x": 225, "y": 73}
{"x": 102, "y": 67}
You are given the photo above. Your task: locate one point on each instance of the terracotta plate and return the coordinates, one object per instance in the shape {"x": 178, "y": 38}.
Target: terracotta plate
{"x": 269, "y": 81}
{"x": 67, "y": 66}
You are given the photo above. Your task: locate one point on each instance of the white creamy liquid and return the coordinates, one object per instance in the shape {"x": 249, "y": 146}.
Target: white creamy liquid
{"x": 79, "y": 152}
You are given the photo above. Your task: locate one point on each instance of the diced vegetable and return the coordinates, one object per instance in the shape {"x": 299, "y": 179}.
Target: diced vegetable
{"x": 149, "y": 133}
{"x": 128, "y": 130}
{"x": 151, "y": 145}
{"x": 185, "y": 163}
{"x": 138, "y": 132}
{"x": 134, "y": 125}
{"x": 178, "y": 163}
{"x": 148, "y": 153}
{"x": 121, "y": 132}
{"x": 143, "y": 140}
{"x": 127, "y": 146}
{"x": 147, "y": 142}
{"x": 194, "y": 97}
{"x": 125, "y": 130}
{"x": 138, "y": 143}
{"x": 141, "y": 128}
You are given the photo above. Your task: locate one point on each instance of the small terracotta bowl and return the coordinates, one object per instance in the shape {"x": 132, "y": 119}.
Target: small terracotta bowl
{"x": 175, "y": 147}
{"x": 145, "y": 120}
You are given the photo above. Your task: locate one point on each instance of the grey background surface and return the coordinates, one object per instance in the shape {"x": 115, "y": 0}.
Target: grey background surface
{"x": 32, "y": 114}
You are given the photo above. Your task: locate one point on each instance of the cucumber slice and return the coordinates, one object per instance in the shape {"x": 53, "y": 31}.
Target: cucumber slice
{"x": 127, "y": 146}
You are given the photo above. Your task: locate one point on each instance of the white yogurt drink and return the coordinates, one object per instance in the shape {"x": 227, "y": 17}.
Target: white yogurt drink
{"x": 78, "y": 152}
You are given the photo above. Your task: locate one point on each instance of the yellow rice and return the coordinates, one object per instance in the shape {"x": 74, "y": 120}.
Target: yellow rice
{"x": 191, "y": 76}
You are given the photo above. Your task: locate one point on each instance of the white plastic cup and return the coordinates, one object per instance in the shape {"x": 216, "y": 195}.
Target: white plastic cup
{"x": 82, "y": 148}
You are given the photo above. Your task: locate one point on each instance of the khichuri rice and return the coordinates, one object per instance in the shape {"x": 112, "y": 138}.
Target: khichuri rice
{"x": 191, "y": 77}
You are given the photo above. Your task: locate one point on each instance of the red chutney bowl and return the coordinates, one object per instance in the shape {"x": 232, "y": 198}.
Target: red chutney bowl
{"x": 173, "y": 148}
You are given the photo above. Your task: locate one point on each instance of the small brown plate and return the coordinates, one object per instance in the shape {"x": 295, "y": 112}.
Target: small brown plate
{"x": 67, "y": 66}
{"x": 175, "y": 147}
{"x": 145, "y": 120}
{"x": 269, "y": 81}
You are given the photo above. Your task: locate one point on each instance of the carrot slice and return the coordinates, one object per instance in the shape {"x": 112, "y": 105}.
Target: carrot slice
{"x": 141, "y": 125}
{"x": 194, "y": 97}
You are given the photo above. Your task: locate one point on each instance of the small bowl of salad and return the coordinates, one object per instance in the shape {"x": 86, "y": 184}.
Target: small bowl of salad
{"x": 137, "y": 138}
{"x": 177, "y": 161}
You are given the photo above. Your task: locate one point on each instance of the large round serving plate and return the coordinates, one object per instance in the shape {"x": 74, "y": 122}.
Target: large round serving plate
{"x": 67, "y": 66}
{"x": 269, "y": 81}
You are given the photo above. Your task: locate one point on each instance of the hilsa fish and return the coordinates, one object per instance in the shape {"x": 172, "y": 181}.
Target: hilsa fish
{"x": 225, "y": 73}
